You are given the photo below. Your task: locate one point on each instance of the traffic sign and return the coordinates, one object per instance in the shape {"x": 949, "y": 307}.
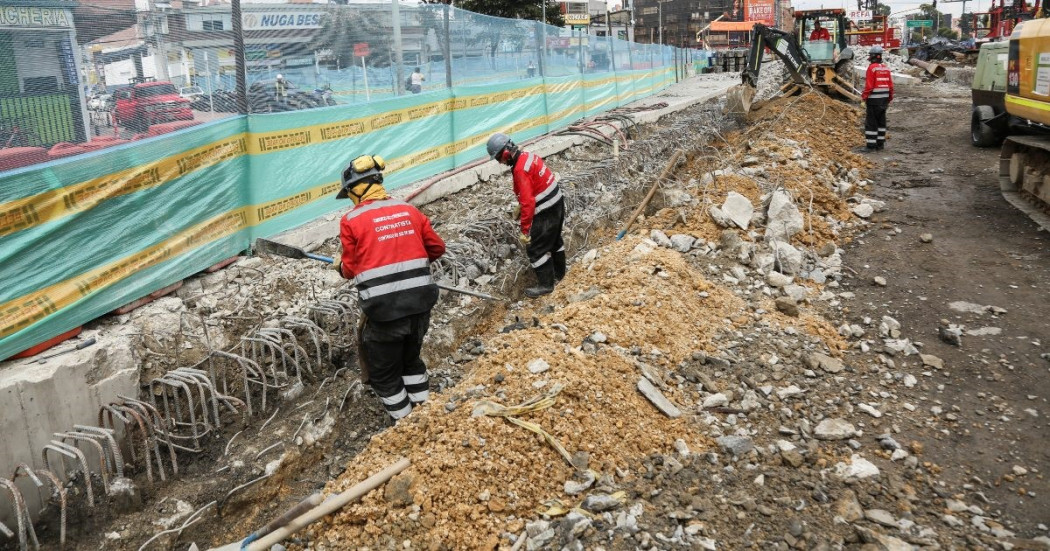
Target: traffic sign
{"x": 919, "y": 23}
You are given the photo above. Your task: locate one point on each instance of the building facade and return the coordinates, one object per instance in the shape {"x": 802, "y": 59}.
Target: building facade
{"x": 41, "y": 99}
{"x": 679, "y": 20}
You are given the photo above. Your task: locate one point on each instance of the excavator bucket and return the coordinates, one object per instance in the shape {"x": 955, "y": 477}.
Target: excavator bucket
{"x": 739, "y": 99}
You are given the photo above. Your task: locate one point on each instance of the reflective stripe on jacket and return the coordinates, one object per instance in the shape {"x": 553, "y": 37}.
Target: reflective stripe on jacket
{"x": 878, "y": 82}
{"x": 388, "y": 246}
{"x": 535, "y": 186}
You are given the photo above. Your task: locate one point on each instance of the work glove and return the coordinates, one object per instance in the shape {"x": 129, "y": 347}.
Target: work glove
{"x": 525, "y": 239}
{"x": 337, "y": 260}
{"x": 516, "y": 212}
{"x": 864, "y": 103}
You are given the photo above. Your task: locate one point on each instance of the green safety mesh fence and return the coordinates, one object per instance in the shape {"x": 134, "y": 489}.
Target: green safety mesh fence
{"x": 154, "y": 196}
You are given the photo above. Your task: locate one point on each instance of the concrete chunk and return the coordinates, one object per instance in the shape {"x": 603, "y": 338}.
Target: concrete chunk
{"x": 783, "y": 220}
{"x": 658, "y": 399}
{"x": 738, "y": 209}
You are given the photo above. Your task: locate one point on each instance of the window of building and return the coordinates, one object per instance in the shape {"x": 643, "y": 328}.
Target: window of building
{"x": 207, "y": 22}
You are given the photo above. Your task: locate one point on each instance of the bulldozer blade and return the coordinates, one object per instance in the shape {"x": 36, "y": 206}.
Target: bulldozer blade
{"x": 739, "y": 99}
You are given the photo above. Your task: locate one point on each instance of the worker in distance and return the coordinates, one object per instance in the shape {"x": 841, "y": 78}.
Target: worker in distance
{"x": 541, "y": 215}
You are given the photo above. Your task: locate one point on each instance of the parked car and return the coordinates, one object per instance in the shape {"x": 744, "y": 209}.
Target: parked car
{"x": 191, "y": 92}
{"x": 147, "y": 103}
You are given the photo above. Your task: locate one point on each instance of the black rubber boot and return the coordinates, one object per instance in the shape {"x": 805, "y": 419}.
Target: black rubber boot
{"x": 544, "y": 281}
{"x": 559, "y": 265}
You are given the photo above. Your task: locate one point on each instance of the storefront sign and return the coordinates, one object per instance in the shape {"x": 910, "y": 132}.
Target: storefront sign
{"x": 282, "y": 20}
{"x": 761, "y": 11}
{"x": 863, "y": 15}
{"x": 576, "y": 19}
{"x": 27, "y": 17}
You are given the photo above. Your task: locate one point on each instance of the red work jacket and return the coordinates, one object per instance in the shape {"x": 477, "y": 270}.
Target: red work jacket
{"x": 388, "y": 246}
{"x": 535, "y": 186}
{"x": 878, "y": 82}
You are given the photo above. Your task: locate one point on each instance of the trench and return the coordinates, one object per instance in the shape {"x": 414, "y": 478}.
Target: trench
{"x": 251, "y": 374}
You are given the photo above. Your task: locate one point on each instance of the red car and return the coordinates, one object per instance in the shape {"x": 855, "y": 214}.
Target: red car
{"x": 147, "y": 103}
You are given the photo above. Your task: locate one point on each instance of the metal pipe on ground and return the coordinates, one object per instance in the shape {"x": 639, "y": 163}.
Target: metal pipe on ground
{"x": 330, "y": 506}
{"x": 928, "y": 66}
{"x": 652, "y": 191}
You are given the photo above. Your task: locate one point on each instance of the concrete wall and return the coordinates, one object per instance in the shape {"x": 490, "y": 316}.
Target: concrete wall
{"x": 39, "y": 399}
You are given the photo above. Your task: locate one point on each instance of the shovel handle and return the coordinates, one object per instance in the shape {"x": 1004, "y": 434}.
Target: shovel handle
{"x": 330, "y": 260}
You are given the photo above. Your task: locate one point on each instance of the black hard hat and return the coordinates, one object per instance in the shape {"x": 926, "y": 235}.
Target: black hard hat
{"x": 365, "y": 167}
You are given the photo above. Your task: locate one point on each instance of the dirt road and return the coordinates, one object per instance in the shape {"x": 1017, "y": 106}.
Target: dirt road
{"x": 993, "y": 389}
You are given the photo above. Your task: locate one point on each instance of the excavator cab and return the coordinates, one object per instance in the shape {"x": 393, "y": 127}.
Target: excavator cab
{"x": 822, "y": 34}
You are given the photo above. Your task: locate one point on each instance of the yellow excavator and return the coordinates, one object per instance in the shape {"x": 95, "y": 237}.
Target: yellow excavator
{"x": 1024, "y": 127}
{"x": 809, "y": 63}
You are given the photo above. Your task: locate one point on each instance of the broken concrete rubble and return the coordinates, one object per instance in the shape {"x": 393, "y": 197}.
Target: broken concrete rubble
{"x": 769, "y": 391}
{"x": 783, "y": 219}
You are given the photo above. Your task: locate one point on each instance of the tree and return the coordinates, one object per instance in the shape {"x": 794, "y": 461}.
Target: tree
{"x": 929, "y": 11}
{"x": 493, "y": 32}
{"x": 882, "y": 9}
{"x": 948, "y": 33}
{"x": 343, "y": 27}
{"x": 516, "y": 9}
{"x": 439, "y": 25}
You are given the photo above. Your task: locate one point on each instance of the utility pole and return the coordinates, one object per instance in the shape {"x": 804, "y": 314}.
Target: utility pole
{"x": 446, "y": 51}
{"x": 395, "y": 13}
{"x": 238, "y": 57}
{"x": 543, "y": 42}
{"x": 660, "y": 18}
{"x": 157, "y": 19}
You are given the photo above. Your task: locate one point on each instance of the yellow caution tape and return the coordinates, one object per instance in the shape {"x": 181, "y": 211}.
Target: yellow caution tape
{"x": 495, "y": 409}
{"x": 50, "y": 205}
{"x": 21, "y": 312}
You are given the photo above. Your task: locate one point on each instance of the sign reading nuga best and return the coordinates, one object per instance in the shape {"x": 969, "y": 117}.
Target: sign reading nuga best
{"x": 29, "y": 17}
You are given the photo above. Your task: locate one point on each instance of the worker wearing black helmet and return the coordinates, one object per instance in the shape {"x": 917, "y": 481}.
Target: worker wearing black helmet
{"x": 386, "y": 247}
{"x": 542, "y": 211}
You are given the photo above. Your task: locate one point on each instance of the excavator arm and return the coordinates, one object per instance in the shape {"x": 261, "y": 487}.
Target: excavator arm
{"x": 785, "y": 47}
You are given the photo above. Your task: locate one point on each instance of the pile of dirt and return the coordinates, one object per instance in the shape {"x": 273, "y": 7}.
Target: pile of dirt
{"x": 631, "y": 310}
{"x": 610, "y": 322}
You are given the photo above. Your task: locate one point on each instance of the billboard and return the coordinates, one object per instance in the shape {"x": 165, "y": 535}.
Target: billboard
{"x": 761, "y": 11}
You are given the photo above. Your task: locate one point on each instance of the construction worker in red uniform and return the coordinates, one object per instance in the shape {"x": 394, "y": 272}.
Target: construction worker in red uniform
{"x": 819, "y": 32}
{"x": 877, "y": 95}
{"x": 542, "y": 212}
{"x": 386, "y": 247}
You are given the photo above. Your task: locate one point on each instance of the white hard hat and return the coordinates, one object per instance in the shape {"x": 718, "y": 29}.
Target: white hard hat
{"x": 279, "y": 76}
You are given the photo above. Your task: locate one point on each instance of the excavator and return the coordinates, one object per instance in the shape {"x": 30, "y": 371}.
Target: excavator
{"x": 1012, "y": 108}
{"x": 809, "y": 63}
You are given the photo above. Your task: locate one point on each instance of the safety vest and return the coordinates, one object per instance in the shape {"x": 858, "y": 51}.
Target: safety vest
{"x": 878, "y": 82}
{"x": 388, "y": 246}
